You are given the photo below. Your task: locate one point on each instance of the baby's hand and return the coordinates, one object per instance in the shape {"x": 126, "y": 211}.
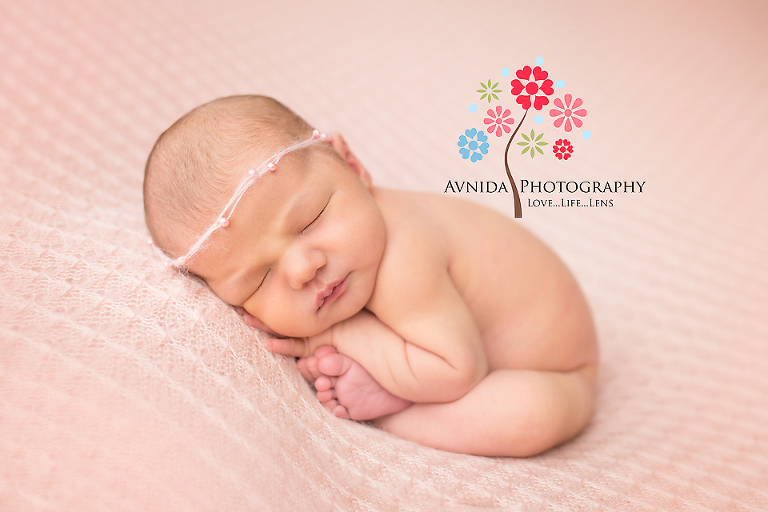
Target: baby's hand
{"x": 299, "y": 347}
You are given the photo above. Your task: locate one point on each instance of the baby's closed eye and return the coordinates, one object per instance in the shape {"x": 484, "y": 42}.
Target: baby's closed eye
{"x": 316, "y": 218}
{"x": 264, "y": 279}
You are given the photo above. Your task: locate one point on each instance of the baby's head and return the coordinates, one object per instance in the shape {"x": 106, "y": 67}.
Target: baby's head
{"x": 301, "y": 250}
{"x": 190, "y": 171}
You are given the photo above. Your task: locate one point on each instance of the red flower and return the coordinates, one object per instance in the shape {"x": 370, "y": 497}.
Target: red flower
{"x": 498, "y": 121}
{"x": 563, "y": 149}
{"x": 532, "y": 88}
{"x": 567, "y": 112}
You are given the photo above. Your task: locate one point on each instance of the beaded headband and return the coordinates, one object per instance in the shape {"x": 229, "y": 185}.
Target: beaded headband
{"x": 254, "y": 175}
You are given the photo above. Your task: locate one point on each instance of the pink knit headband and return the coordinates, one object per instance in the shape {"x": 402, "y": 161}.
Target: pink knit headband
{"x": 222, "y": 221}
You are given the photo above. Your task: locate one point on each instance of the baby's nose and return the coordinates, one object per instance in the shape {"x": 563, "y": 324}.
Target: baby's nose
{"x": 303, "y": 266}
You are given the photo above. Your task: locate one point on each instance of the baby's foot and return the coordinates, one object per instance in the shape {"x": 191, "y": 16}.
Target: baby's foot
{"x": 349, "y": 391}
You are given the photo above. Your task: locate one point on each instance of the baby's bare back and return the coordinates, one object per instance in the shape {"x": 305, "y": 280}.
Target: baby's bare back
{"x": 529, "y": 310}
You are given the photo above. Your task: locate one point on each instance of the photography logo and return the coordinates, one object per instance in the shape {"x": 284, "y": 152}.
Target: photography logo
{"x": 529, "y": 89}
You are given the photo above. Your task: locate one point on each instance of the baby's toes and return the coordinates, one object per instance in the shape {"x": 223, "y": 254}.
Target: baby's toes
{"x": 325, "y": 383}
{"x": 340, "y": 412}
{"x": 312, "y": 369}
{"x": 330, "y": 404}
{"x": 326, "y": 396}
{"x": 301, "y": 364}
{"x": 334, "y": 364}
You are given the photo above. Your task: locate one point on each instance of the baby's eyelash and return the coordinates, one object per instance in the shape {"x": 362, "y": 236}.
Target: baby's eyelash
{"x": 262, "y": 281}
{"x": 315, "y": 219}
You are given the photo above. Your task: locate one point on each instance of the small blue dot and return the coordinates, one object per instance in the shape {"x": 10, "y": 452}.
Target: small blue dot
{"x": 560, "y": 84}
{"x": 538, "y": 61}
{"x": 473, "y": 108}
{"x": 538, "y": 119}
{"x": 586, "y": 134}
{"x": 504, "y": 71}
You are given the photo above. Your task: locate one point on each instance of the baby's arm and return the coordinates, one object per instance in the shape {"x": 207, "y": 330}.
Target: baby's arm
{"x": 403, "y": 368}
{"x": 429, "y": 356}
{"x": 418, "y": 338}
{"x": 422, "y": 344}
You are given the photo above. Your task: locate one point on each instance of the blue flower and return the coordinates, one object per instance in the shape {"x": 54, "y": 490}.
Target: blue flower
{"x": 473, "y": 149}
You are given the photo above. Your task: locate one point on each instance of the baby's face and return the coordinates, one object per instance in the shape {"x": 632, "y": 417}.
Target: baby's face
{"x": 303, "y": 247}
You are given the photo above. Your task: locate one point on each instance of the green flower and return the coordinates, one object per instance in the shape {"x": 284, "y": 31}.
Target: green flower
{"x": 489, "y": 90}
{"x": 532, "y": 143}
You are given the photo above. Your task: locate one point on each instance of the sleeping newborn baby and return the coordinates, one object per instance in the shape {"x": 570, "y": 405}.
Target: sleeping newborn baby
{"x": 439, "y": 320}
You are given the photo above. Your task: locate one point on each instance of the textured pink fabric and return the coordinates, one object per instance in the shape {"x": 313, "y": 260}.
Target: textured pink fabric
{"x": 124, "y": 386}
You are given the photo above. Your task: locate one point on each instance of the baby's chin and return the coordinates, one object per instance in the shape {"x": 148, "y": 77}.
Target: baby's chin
{"x": 303, "y": 331}
{"x": 308, "y": 329}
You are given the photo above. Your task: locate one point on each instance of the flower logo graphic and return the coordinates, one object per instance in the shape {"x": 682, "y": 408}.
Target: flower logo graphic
{"x": 530, "y": 90}
{"x": 473, "y": 149}
{"x": 562, "y": 149}
{"x": 489, "y": 90}
{"x": 567, "y": 112}
{"x": 532, "y": 143}
{"x": 498, "y": 121}
{"x": 532, "y": 87}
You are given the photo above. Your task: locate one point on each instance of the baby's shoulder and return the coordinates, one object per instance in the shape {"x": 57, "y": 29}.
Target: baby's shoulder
{"x": 416, "y": 254}
{"x": 406, "y": 213}
{"x": 435, "y": 211}
{"x": 443, "y": 224}
{"x": 413, "y": 229}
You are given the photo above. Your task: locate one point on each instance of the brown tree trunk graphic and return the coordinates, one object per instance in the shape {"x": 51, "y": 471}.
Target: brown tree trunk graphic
{"x": 518, "y": 207}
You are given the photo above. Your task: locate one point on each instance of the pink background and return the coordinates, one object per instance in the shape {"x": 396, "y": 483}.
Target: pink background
{"x": 126, "y": 387}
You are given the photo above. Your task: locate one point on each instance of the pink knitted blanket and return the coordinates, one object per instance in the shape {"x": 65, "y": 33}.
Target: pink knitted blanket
{"x": 125, "y": 386}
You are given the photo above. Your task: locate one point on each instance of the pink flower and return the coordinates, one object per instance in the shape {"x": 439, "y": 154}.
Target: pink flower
{"x": 528, "y": 90}
{"x": 498, "y": 121}
{"x": 567, "y": 113}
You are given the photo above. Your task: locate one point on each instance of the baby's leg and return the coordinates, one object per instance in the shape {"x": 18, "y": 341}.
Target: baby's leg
{"x": 346, "y": 388}
{"x": 509, "y": 413}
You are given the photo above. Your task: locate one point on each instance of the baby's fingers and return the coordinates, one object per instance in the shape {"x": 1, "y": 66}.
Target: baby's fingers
{"x": 295, "y": 347}
{"x": 308, "y": 368}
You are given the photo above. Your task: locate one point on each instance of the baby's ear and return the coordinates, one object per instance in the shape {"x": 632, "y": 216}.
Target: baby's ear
{"x": 342, "y": 148}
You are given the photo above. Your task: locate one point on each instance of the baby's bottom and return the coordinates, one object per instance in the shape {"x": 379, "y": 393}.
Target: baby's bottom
{"x": 509, "y": 413}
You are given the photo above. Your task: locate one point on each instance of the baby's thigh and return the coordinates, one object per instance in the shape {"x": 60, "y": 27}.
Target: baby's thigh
{"x": 509, "y": 413}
